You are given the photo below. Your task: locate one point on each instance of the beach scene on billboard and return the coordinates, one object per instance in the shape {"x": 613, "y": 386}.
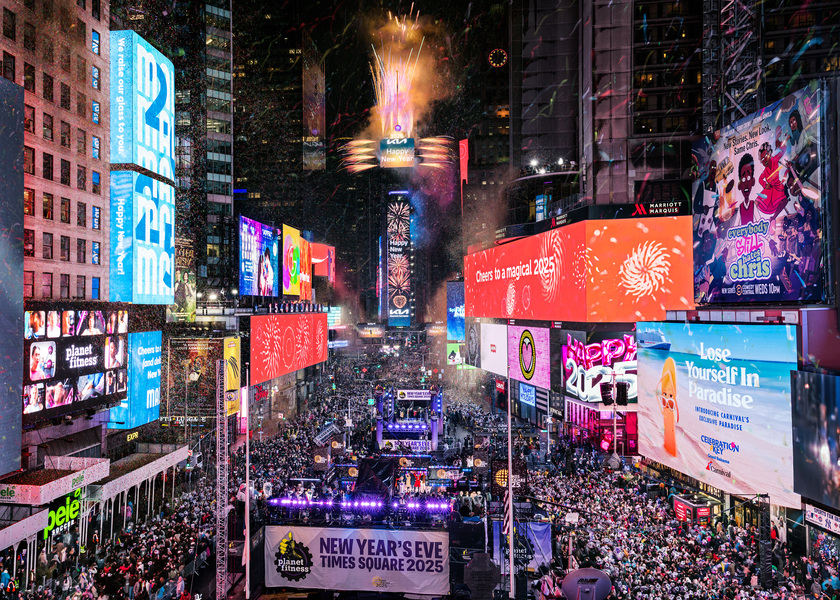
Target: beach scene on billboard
{"x": 714, "y": 403}
{"x": 816, "y": 421}
{"x": 757, "y": 196}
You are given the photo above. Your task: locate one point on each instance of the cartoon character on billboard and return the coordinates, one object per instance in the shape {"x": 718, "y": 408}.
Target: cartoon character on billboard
{"x": 773, "y": 197}
{"x": 667, "y": 394}
{"x": 746, "y": 182}
{"x": 805, "y": 152}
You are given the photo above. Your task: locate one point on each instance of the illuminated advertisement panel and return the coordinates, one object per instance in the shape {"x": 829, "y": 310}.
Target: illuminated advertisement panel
{"x": 529, "y": 355}
{"x": 314, "y": 108}
{"x": 77, "y": 360}
{"x": 603, "y": 270}
{"x": 454, "y": 353}
{"x": 143, "y": 402}
{"x": 589, "y": 363}
{"x": 284, "y": 343}
{"x": 305, "y": 270}
{"x": 494, "y": 348}
{"x": 192, "y": 376}
{"x": 258, "y": 259}
{"x": 183, "y": 310}
{"x": 142, "y": 105}
{"x": 455, "y": 311}
{"x": 715, "y": 404}
{"x": 142, "y": 239}
{"x": 323, "y": 261}
{"x": 399, "y": 263}
{"x": 472, "y": 346}
{"x": 396, "y": 153}
{"x": 758, "y": 206}
{"x": 291, "y": 261}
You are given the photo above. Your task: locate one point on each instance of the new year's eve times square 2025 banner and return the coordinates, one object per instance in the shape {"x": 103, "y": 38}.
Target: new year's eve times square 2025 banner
{"x": 714, "y": 403}
{"x": 590, "y": 271}
{"x": 284, "y": 343}
{"x": 375, "y": 560}
{"x": 758, "y": 206}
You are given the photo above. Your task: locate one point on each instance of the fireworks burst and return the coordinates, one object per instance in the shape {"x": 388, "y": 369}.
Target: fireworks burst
{"x": 359, "y": 155}
{"x": 510, "y": 299}
{"x": 552, "y": 248}
{"x": 398, "y": 265}
{"x": 645, "y": 269}
{"x": 304, "y": 339}
{"x": 398, "y": 221}
{"x": 398, "y": 283}
{"x": 269, "y": 345}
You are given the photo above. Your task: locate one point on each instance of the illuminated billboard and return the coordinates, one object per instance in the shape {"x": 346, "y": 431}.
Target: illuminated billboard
{"x": 494, "y": 348}
{"x": 305, "y": 270}
{"x": 758, "y": 208}
{"x": 529, "y": 355}
{"x": 396, "y": 153}
{"x": 142, "y": 405}
{"x": 323, "y": 261}
{"x": 715, "y": 404}
{"x": 258, "y": 259}
{"x": 590, "y": 271}
{"x": 191, "y": 381}
{"x": 142, "y": 105}
{"x": 314, "y": 108}
{"x": 284, "y": 343}
{"x": 183, "y": 309}
{"x": 291, "y": 261}
{"x": 399, "y": 263}
{"x": 593, "y": 360}
{"x": 142, "y": 239}
{"x": 455, "y": 311}
{"x": 472, "y": 346}
{"x": 77, "y": 360}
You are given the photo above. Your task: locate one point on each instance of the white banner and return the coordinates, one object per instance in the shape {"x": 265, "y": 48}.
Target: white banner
{"x": 494, "y": 348}
{"x": 413, "y": 394}
{"x": 342, "y": 559}
{"x": 826, "y": 520}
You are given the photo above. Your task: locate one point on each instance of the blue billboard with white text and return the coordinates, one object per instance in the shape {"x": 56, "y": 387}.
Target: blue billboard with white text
{"x": 143, "y": 402}
{"x": 455, "y": 311}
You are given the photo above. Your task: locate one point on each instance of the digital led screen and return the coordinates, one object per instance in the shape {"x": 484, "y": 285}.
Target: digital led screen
{"x": 590, "y": 271}
{"x": 323, "y": 261}
{"x": 314, "y": 108}
{"x": 142, "y": 239}
{"x": 191, "y": 374}
{"x": 600, "y": 358}
{"x": 396, "y": 153}
{"x": 758, "y": 207}
{"x": 142, "y": 105}
{"x": 398, "y": 221}
{"x": 291, "y": 261}
{"x": 142, "y": 405}
{"x": 284, "y": 343}
{"x": 77, "y": 360}
{"x": 494, "y": 348}
{"x": 455, "y": 311}
{"x": 258, "y": 259}
{"x": 472, "y": 345}
{"x": 715, "y": 404}
{"x": 183, "y": 309}
{"x": 529, "y": 355}
{"x": 453, "y": 353}
{"x": 305, "y": 270}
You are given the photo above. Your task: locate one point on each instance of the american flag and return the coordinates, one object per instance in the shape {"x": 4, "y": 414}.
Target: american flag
{"x": 506, "y": 522}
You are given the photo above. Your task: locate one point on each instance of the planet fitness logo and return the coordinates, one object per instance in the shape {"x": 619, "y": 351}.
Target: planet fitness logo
{"x": 293, "y": 560}
{"x": 527, "y": 355}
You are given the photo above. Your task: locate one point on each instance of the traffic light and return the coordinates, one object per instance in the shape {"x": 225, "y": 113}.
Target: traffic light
{"x": 606, "y": 394}
{"x": 621, "y": 390}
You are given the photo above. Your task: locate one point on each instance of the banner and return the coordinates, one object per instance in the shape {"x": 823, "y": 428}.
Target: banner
{"x": 183, "y": 310}
{"x": 344, "y": 559}
{"x": 758, "y": 203}
{"x": 321, "y": 458}
{"x": 714, "y": 403}
{"x": 455, "y": 311}
{"x": 291, "y": 261}
{"x": 500, "y": 473}
{"x": 232, "y": 364}
{"x": 494, "y": 348}
{"x": 314, "y": 108}
{"x": 531, "y": 544}
{"x": 396, "y": 153}
{"x": 284, "y": 343}
{"x": 192, "y": 373}
{"x": 587, "y": 365}
{"x": 323, "y": 261}
{"x": 529, "y": 354}
{"x": 399, "y": 263}
{"x": 823, "y": 519}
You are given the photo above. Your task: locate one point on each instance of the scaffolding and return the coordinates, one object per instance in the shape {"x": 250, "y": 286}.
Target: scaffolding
{"x": 222, "y": 466}
{"x": 740, "y": 50}
{"x": 711, "y": 66}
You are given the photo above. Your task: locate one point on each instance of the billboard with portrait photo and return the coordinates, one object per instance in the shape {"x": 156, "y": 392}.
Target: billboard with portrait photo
{"x": 472, "y": 346}
{"x": 183, "y": 310}
{"x": 258, "y": 259}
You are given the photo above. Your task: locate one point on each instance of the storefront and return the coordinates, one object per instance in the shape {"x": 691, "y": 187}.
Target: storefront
{"x": 701, "y": 501}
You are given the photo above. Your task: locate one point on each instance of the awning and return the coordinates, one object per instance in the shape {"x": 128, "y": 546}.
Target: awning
{"x": 122, "y": 479}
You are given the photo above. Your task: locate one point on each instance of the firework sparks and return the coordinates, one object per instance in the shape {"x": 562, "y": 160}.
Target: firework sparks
{"x": 270, "y": 346}
{"x": 552, "y": 249}
{"x": 645, "y": 269}
{"x": 398, "y": 221}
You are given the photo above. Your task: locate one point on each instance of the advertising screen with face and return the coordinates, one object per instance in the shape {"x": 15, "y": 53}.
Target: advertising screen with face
{"x": 715, "y": 404}
{"x": 529, "y": 354}
{"x": 258, "y": 259}
{"x": 758, "y": 205}
{"x": 291, "y": 261}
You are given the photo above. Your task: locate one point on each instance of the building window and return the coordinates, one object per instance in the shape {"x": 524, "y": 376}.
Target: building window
{"x": 94, "y": 253}
{"x": 65, "y": 212}
{"x": 94, "y": 77}
{"x": 94, "y": 111}
{"x": 46, "y": 285}
{"x": 48, "y": 166}
{"x": 65, "y": 96}
{"x": 48, "y": 206}
{"x": 81, "y": 68}
{"x": 29, "y": 202}
{"x": 81, "y": 31}
{"x": 28, "y": 77}
{"x": 80, "y": 287}
{"x": 28, "y": 284}
{"x": 94, "y": 41}
{"x": 94, "y": 9}
{"x": 95, "y": 146}
{"x": 81, "y": 140}
{"x": 29, "y": 118}
{"x": 94, "y": 288}
{"x": 47, "y": 251}
{"x": 8, "y": 66}
{"x": 64, "y": 286}
{"x": 49, "y": 51}
{"x": 81, "y": 251}
{"x": 48, "y": 127}
{"x": 65, "y": 134}
{"x": 9, "y": 24}
{"x": 81, "y": 214}
{"x": 64, "y": 59}
{"x": 48, "y": 10}
{"x": 29, "y": 36}
{"x": 29, "y": 242}
{"x": 81, "y": 104}
{"x": 95, "y": 185}
{"x": 48, "y": 88}
{"x": 65, "y": 172}
{"x": 29, "y": 160}
{"x": 65, "y": 248}
{"x": 81, "y": 177}
{"x": 94, "y": 217}
{"x": 81, "y": 4}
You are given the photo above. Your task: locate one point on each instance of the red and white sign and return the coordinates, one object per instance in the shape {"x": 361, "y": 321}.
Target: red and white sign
{"x": 500, "y": 386}
{"x": 285, "y": 343}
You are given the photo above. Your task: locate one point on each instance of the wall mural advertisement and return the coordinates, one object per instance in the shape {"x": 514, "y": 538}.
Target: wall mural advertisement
{"x": 142, "y": 405}
{"x": 455, "y": 311}
{"x": 284, "y": 343}
{"x": 816, "y": 419}
{"x": 291, "y": 261}
{"x": 587, "y": 364}
{"x": 77, "y": 360}
{"x": 258, "y": 259}
{"x": 399, "y": 263}
{"x": 183, "y": 310}
{"x": 192, "y": 376}
{"x": 758, "y": 206}
{"x": 715, "y": 403}
{"x": 603, "y": 270}
{"x": 305, "y": 270}
{"x": 494, "y": 348}
{"x": 529, "y": 355}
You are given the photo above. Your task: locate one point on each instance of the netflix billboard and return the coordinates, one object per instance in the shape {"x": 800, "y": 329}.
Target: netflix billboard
{"x": 284, "y": 343}
{"x": 592, "y": 271}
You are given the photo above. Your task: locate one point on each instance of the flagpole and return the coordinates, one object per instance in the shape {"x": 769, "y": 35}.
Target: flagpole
{"x": 247, "y": 550}
{"x": 509, "y": 515}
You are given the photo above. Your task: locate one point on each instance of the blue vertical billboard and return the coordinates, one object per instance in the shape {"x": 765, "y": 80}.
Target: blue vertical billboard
{"x": 143, "y": 402}
{"x": 455, "y": 311}
{"x": 142, "y": 194}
